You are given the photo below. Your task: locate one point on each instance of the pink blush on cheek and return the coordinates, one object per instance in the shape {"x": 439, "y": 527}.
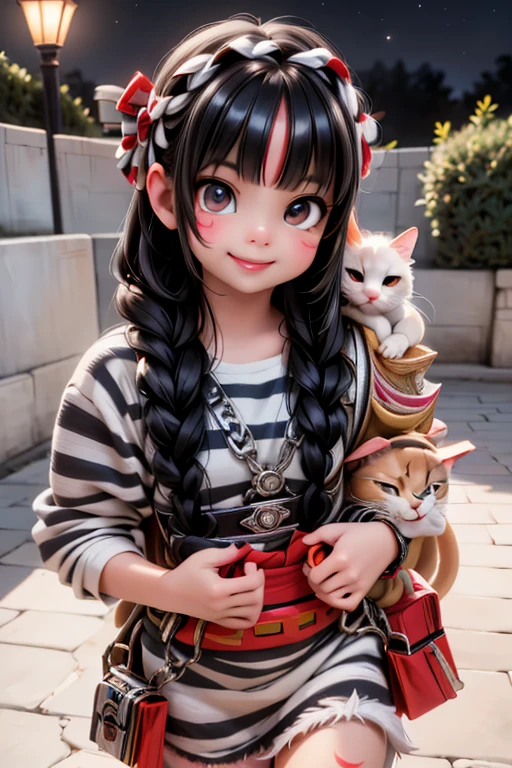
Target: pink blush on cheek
{"x": 308, "y": 246}
{"x": 210, "y": 227}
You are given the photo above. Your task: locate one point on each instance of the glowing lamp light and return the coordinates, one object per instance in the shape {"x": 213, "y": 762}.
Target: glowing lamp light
{"x": 48, "y": 20}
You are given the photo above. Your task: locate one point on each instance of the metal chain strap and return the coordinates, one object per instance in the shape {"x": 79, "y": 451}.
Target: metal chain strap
{"x": 266, "y": 480}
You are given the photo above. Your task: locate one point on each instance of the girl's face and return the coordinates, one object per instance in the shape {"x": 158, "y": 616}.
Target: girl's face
{"x": 257, "y": 236}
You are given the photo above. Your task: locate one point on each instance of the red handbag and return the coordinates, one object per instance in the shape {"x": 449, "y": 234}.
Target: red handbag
{"x": 422, "y": 672}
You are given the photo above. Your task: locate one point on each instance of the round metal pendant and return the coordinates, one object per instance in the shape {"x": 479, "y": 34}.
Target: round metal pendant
{"x": 268, "y": 518}
{"x": 269, "y": 482}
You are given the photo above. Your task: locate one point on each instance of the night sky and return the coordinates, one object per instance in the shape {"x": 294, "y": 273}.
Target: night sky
{"x": 110, "y": 39}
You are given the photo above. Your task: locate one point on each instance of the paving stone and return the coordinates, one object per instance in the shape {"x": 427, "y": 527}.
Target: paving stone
{"x": 19, "y": 495}
{"x": 9, "y": 540}
{"x": 75, "y": 697}
{"x": 483, "y": 614}
{"x": 488, "y": 555}
{"x": 408, "y": 761}
{"x": 502, "y": 515}
{"x": 479, "y": 764}
{"x": 76, "y": 733}
{"x": 27, "y": 554}
{"x": 482, "y": 495}
{"x": 489, "y": 582}
{"x": 496, "y": 397}
{"x": 476, "y": 724}
{"x": 463, "y": 414}
{"x": 40, "y": 590}
{"x": 85, "y": 759}
{"x": 500, "y": 417}
{"x": 20, "y": 518}
{"x": 90, "y": 652}
{"x": 470, "y": 514}
{"x": 481, "y": 650}
{"x": 60, "y": 631}
{"x": 472, "y": 534}
{"x": 29, "y": 675}
{"x": 36, "y": 473}
{"x": 458, "y": 495}
{"x": 501, "y": 534}
{"x": 485, "y": 426}
{"x": 6, "y": 616}
{"x": 452, "y": 400}
{"x": 447, "y": 413}
{"x": 30, "y": 740}
{"x": 491, "y": 469}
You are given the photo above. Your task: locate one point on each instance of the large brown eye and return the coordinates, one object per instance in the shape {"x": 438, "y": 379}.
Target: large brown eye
{"x": 391, "y": 280}
{"x": 215, "y": 197}
{"x": 305, "y": 213}
{"x": 356, "y": 276}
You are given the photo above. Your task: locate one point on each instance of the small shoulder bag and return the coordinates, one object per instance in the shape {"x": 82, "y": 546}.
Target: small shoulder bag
{"x": 129, "y": 713}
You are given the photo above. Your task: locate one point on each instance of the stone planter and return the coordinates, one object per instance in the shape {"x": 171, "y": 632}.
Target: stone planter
{"x": 501, "y": 355}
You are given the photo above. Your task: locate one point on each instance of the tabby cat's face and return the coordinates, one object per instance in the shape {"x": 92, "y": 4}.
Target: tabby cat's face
{"x": 409, "y": 485}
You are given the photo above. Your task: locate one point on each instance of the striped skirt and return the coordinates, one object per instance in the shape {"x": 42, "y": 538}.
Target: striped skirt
{"x": 232, "y": 705}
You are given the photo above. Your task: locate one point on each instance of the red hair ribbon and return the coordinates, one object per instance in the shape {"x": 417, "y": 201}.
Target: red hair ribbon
{"x": 137, "y": 100}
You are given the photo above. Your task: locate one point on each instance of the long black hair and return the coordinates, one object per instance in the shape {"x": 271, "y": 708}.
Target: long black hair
{"x": 161, "y": 292}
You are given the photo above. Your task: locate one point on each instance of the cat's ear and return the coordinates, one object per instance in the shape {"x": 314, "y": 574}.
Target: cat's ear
{"x": 354, "y": 235}
{"x": 404, "y": 244}
{"x": 367, "y": 448}
{"x": 449, "y": 454}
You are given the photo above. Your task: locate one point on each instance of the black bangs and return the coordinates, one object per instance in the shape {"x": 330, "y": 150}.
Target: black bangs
{"x": 239, "y": 109}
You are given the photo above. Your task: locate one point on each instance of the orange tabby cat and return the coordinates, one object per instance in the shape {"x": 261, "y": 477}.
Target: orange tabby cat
{"x": 406, "y": 480}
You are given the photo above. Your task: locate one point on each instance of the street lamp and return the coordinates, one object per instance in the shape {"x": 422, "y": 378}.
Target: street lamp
{"x": 48, "y": 22}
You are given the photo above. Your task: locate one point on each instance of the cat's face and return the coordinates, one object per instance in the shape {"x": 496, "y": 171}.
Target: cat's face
{"x": 377, "y": 276}
{"x": 409, "y": 485}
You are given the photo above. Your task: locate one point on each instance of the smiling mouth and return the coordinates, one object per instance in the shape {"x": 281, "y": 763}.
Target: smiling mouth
{"x": 250, "y": 265}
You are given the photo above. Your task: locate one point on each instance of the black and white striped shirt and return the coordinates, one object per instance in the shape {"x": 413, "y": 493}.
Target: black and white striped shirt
{"x": 101, "y": 481}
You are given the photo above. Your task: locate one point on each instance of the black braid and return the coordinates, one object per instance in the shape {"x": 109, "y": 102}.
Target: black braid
{"x": 164, "y": 330}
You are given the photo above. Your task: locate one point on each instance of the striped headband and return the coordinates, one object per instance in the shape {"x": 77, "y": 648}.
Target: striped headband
{"x": 142, "y": 108}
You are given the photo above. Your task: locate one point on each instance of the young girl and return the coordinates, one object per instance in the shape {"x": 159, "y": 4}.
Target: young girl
{"x": 198, "y": 443}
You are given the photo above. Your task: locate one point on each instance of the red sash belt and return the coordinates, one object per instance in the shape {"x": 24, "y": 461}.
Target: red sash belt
{"x": 283, "y": 623}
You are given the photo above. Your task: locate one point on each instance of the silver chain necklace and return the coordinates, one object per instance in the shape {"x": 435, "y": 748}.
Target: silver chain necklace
{"x": 266, "y": 480}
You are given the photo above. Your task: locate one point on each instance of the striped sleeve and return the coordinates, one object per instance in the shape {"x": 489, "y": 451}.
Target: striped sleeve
{"x": 100, "y": 479}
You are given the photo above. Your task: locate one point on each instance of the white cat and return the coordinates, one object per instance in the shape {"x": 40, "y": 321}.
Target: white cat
{"x": 377, "y": 283}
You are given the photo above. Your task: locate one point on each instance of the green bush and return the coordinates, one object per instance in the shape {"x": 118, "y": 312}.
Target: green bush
{"x": 467, "y": 186}
{"x": 21, "y": 102}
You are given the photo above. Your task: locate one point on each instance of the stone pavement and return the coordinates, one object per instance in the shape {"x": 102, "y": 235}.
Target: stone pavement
{"x": 51, "y": 644}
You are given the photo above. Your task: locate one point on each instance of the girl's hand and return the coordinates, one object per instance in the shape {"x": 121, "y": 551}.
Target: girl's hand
{"x": 362, "y": 551}
{"x": 195, "y": 589}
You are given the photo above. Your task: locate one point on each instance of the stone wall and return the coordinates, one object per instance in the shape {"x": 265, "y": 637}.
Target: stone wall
{"x": 48, "y": 318}
{"x": 387, "y": 198}
{"x": 502, "y": 333}
{"x": 95, "y": 195}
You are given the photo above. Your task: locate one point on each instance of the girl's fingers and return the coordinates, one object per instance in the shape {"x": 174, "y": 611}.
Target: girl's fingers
{"x": 339, "y": 599}
{"x": 247, "y": 583}
{"x": 251, "y": 598}
{"x": 237, "y": 623}
{"x": 325, "y": 570}
{"x": 335, "y": 583}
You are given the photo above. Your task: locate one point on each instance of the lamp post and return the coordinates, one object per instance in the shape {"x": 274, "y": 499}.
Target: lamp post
{"x": 48, "y": 22}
